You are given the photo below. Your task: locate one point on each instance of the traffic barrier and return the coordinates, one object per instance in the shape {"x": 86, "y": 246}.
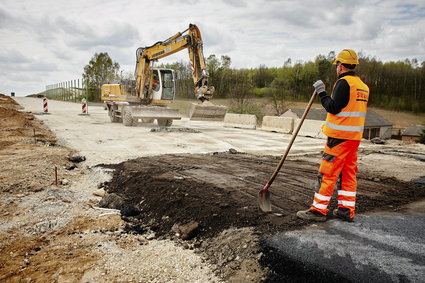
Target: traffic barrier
{"x": 84, "y": 107}
{"x": 278, "y": 124}
{"x": 311, "y": 128}
{"x": 45, "y": 107}
{"x": 244, "y": 121}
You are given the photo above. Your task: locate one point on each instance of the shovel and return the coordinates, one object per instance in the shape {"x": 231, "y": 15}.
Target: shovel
{"x": 264, "y": 194}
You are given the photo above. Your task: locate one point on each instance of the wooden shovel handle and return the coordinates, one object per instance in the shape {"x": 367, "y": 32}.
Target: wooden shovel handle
{"x": 294, "y": 135}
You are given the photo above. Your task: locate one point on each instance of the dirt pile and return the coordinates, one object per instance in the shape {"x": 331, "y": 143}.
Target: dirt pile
{"x": 28, "y": 157}
{"x": 163, "y": 191}
{"x": 28, "y": 150}
{"x": 20, "y": 127}
{"x": 161, "y": 197}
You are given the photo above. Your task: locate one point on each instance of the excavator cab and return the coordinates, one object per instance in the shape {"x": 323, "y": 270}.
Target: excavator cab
{"x": 163, "y": 86}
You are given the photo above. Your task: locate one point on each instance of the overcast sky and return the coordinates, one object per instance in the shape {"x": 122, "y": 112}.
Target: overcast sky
{"x": 50, "y": 41}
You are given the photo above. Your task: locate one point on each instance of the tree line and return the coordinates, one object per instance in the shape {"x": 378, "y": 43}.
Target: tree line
{"x": 393, "y": 85}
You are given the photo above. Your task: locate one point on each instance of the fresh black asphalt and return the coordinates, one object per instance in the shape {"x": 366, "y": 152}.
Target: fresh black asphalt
{"x": 375, "y": 248}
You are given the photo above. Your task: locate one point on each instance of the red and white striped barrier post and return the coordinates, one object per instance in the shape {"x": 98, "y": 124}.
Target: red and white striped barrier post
{"x": 84, "y": 106}
{"x": 45, "y": 108}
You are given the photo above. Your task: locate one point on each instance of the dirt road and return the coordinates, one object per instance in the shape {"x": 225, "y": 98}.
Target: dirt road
{"x": 194, "y": 190}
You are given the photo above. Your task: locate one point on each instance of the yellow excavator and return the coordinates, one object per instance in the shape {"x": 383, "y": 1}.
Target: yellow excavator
{"x": 144, "y": 98}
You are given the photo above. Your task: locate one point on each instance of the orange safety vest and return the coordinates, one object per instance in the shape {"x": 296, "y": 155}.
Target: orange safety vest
{"x": 349, "y": 123}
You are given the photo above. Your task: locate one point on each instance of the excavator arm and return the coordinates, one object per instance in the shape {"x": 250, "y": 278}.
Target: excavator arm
{"x": 190, "y": 39}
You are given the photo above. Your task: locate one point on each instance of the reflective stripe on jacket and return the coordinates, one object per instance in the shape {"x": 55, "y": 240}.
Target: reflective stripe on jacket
{"x": 349, "y": 123}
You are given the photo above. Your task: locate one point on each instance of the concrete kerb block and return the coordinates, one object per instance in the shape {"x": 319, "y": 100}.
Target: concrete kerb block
{"x": 244, "y": 121}
{"x": 278, "y": 124}
{"x": 311, "y": 128}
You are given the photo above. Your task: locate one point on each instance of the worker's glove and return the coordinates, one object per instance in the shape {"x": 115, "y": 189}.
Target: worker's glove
{"x": 319, "y": 86}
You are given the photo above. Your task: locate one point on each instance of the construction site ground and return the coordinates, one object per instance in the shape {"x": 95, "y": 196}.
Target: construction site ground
{"x": 180, "y": 203}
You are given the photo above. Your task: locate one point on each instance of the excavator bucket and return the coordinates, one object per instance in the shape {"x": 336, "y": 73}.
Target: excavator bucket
{"x": 207, "y": 111}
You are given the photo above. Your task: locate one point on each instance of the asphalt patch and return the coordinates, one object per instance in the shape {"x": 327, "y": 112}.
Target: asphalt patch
{"x": 376, "y": 248}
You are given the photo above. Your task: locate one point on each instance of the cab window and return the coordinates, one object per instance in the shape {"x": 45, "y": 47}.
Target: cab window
{"x": 167, "y": 84}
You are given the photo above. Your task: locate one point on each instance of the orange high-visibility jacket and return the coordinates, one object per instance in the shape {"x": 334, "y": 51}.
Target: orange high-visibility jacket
{"x": 349, "y": 123}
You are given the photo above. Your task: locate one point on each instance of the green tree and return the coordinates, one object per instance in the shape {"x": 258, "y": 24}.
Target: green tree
{"x": 279, "y": 99}
{"x": 326, "y": 71}
{"x": 262, "y": 77}
{"x": 219, "y": 72}
{"x": 241, "y": 85}
{"x": 239, "y": 88}
{"x": 226, "y": 61}
{"x": 100, "y": 70}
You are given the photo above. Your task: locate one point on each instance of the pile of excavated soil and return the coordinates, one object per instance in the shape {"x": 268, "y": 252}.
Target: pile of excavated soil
{"x": 214, "y": 196}
{"x": 26, "y": 142}
{"x": 151, "y": 194}
{"x": 165, "y": 191}
{"x": 20, "y": 127}
{"x": 28, "y": 158}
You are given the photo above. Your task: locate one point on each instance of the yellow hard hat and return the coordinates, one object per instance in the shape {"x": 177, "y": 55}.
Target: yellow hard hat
{"x": 347, "y": 56}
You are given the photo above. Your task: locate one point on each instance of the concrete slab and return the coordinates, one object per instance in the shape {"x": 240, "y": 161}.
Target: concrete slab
{"x": 244, "y": 121}
{"x": 278, "y": 124}
{"x": 311, "y": 128}
{"x": 376, "y": 248}
{"x": 101, "y": 141}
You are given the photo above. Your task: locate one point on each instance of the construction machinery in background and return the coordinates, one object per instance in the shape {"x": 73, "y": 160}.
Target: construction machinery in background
{"x": 144, "y": 99}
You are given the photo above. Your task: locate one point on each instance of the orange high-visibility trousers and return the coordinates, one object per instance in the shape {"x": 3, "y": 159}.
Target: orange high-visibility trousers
{"x": 338, "y": 167}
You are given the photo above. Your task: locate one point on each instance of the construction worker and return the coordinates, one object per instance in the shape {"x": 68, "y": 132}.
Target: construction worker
{"x": 155, "y": 82}
{"x": 344, "y": 125}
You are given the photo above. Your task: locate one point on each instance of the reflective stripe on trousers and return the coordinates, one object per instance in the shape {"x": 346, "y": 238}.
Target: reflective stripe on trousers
{"x": 339, "y": 165}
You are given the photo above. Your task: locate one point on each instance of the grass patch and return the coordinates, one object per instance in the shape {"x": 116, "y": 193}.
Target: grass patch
{"x": 401, "y": 119}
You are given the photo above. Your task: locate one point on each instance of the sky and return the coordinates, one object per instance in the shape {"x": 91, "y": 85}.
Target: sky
{"x": 50, "y": 41}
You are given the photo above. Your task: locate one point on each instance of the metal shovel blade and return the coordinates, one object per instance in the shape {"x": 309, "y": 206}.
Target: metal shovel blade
{"x": 264, "y": 201}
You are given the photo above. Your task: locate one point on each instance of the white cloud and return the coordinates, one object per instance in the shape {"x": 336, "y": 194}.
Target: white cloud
{"x": 50, "y": 41}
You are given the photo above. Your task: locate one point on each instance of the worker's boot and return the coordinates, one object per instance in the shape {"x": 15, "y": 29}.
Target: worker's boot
{"x": 311, "y": 215}
{"x": 343, "y": 214}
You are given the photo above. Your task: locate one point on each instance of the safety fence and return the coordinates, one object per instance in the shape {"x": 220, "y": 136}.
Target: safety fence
{"x": 73, "y": 90}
